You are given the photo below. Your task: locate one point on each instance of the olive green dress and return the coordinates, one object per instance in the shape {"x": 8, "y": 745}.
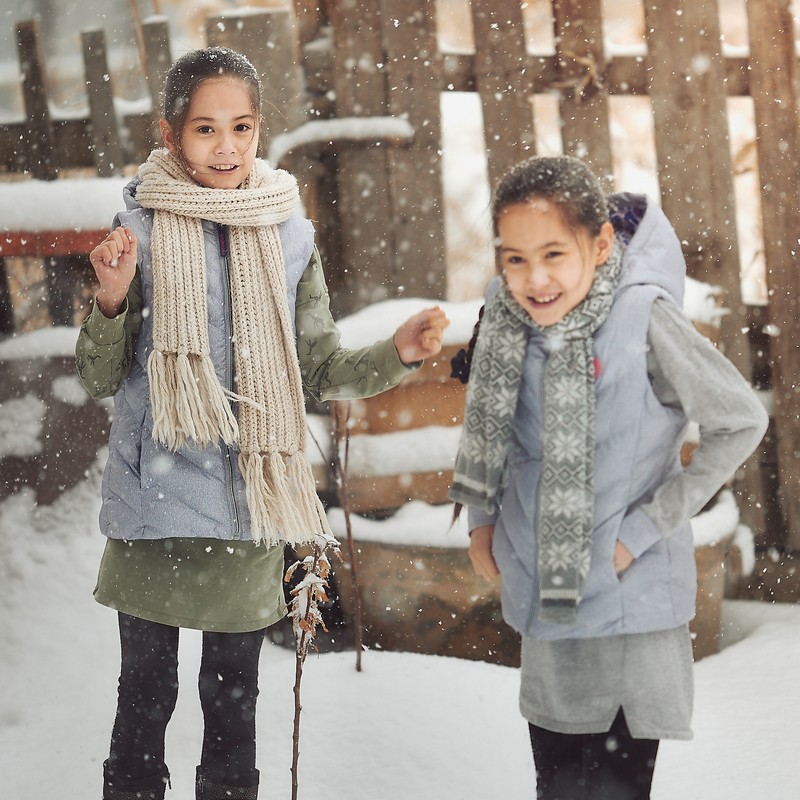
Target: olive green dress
{"x": 213, "y": 584}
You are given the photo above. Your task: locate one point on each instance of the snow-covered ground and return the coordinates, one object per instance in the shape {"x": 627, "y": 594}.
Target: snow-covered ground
{"x": 408, "y": 726}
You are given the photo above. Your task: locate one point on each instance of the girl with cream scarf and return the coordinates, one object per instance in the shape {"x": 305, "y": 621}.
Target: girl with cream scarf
{"x": 194, "y": 333}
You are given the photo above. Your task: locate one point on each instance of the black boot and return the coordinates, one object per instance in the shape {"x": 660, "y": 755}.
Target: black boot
{"x": 211, "y": 785}
{"x": 117, "y": 788}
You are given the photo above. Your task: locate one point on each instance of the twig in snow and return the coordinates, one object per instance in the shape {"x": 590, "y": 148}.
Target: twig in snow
{"x": 340, "y": 469}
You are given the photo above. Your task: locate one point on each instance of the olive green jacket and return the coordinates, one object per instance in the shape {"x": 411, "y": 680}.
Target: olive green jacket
{"x": 330, "y": 372}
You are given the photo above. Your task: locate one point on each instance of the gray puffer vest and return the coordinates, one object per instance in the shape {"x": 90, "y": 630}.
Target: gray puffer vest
{"x": 637, "y": 449}
{"x": 148, "y": 491}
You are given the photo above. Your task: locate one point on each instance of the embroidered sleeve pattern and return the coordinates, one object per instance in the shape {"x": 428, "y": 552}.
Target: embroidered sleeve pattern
{"x": 330, "y": 371}
{"x": 104, "y": 349}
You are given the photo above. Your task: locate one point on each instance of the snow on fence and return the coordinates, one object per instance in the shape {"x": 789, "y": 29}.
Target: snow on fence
{"x": 375, "y": 187}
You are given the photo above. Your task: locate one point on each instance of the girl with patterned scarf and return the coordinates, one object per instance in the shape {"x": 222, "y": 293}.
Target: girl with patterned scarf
{"x": 583, "y": 375}
{"x": 211, "y": 318}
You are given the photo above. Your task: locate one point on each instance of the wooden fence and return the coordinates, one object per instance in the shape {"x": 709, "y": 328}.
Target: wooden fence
{"x": 375, "y": 190}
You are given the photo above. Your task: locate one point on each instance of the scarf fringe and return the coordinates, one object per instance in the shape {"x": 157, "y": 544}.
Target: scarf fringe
{"x": 188, "y": 403}
{"x": 282, "y": 500}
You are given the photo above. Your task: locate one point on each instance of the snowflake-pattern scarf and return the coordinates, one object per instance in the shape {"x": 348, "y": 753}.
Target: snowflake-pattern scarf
{"x": 566, "y": 493}
{"x": 190, "y": 406}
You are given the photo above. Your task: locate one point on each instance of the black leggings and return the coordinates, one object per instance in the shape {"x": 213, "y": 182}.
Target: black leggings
{"x": 148, "y": 690}
{"x": 593, "y": 766}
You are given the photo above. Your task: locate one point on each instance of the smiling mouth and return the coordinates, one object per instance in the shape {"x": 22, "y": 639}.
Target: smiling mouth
{"x": 540, "y": 302}
{"x": 224, "y": 168}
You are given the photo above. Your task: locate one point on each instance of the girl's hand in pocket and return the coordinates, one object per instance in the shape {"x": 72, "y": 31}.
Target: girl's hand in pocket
{"x": 480, "y": 552}
{"x": 622, "y": 558}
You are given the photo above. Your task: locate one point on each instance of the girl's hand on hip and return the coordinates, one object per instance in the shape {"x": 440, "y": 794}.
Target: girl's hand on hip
{"x": 480, "y": 552}
{"x": 622, "y": 557}
{"x": 114, "y": 263}
{"x": 421, "y": 336}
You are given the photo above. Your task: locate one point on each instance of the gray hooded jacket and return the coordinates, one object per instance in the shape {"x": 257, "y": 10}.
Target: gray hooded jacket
{"x": 637, "y": 450}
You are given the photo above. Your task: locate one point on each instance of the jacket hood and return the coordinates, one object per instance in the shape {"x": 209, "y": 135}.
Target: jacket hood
{"x": 129, "y": 194}
{"x": 653, "y": 253}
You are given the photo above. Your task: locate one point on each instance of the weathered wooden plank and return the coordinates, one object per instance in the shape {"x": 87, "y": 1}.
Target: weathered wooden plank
{"x": 772, "y": 68}
{"x": 691, "y": 134}
{"x": 624, "y": 75}
{"x": 414, "y": 69}
{"x": 155, "y": 47}
{"x": 312, "y": 16}
{"x": 61, "y": 279}
{"x": 584, "y": 99}
{"x": 158, "y": 55}
{"x": 696, "y": 176}
{"x": 6, "y": 307}
{"x": 49, "y": 243}
{"x": 502, "y": 81}
{"x": 693, "y": 151}
{"x": 370, "y": 493}
{"x": 39, "y": 139}
{"x": 365, "y": 265}
{"x": 106, "y": 147}
{"x": 269, "y": 39}
{"x": 318, "y": 69}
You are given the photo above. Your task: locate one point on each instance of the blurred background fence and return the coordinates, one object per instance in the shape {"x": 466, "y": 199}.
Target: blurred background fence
{"x": 355, "y": 90}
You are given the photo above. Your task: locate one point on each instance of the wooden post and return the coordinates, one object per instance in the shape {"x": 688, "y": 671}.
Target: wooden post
{"x": 689, "y": 108}
{"x": 773, "y": 74}
{"x": 687, "y": 79}
{"x": 414, "y": 70}
{"x": 502, "y": 83}
{"x": 584, "y": 99}
{"x": 695, "y": 174}
{"x": 39, "y": 139}
{"x": 106, "y": 148}
{"x": 158, "y": 59}
{"x": 6, "y": 307}
{"x": 60, "y": 278}
{"x": 311, "y": 15}
{"x": 269, "y": 39}
{"x": 366, "y": 271}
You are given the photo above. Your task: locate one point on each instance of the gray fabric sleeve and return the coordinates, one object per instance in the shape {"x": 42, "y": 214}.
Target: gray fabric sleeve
{"x": 688, "y": 372}
{"x": 477, "y": 518}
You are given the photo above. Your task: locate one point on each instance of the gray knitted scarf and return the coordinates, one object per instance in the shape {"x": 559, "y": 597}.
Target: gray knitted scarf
{"x": 190, "y": 406}
{"x": 566, "y": 494}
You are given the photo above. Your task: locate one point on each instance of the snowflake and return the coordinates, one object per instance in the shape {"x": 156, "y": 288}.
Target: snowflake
{"x": 566, "y": 502}
{"x": 567, "y": 390}
{"x": 505, "y": 401}
{"x": 559, "y": 555}
{"x": 473, "y": 449}
{"x": 510, "y": 340}
{"x": 566, "y": 445}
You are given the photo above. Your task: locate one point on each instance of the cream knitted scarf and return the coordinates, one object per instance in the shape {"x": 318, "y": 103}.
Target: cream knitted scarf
{"x": 190, "y": 406}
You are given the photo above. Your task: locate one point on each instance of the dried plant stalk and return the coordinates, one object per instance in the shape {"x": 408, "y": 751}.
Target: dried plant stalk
{"x": 306, "y": 616}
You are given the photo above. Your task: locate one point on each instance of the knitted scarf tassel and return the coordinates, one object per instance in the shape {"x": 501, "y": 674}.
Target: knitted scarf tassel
{"x": 187, "y": 402}
{"x": 281, "y": 498}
